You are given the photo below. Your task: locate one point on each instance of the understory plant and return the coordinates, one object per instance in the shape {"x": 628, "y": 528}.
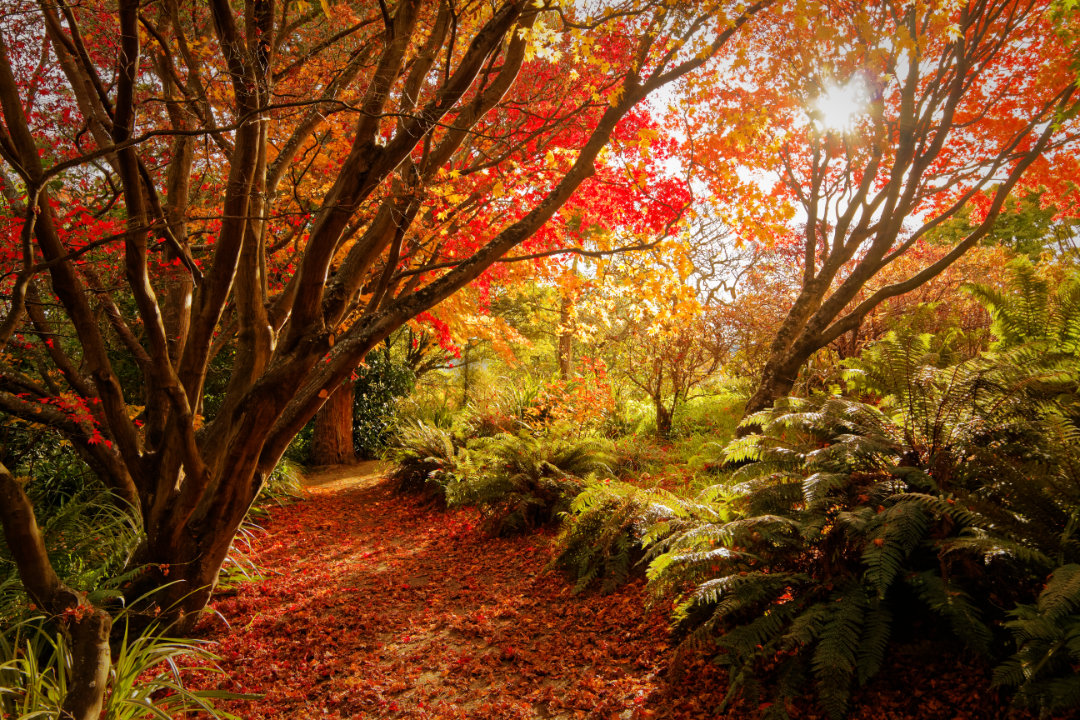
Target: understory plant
{"x": 610, "y": 524}
{"x": 1043, "y": 670}
{"x": 950, "y": 499}
{"x": 428, "y": 458}
{"x": 89, "y": 534}
{"x": 523, "y": 481}
{"x": 148, "y": 677}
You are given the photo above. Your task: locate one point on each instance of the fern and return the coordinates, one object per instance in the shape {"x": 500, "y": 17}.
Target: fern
{"x": 837, "y": 650}
{"x": 602, "y": 539}
{"x": 947, "y": 494}
{"x": 521, "y": 482}
{"x": 429, "y": 459}
{"x": 902, "y": 527}
{"x": 1043, "y": 669}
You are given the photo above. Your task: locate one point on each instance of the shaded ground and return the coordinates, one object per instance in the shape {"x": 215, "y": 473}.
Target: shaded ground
{"x": 378, "y": 606}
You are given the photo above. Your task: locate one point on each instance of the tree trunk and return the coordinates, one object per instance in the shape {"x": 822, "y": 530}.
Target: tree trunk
{"x": 91, "y": 659}
{"x": 565, "y": 348}
{"x": 466, "y": 378}
{"x": 780, "y": 372}
{"x": 332, "y": 442}
{"x": 566, "y": 340}
{"x": 663, "y": 419}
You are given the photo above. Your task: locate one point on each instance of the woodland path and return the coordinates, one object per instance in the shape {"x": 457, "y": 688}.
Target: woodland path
{"x": 379, "y": 606}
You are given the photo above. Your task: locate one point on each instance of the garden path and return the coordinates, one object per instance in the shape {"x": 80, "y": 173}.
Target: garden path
{"x": 380, "y": 606}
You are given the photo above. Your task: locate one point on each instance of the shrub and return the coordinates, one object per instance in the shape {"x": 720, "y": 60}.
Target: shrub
{"x": 953, "y": 499}
{"x": 90, "y": 536}
{"x": 380, "y": 382}
{"x": 521, "y": 482}
{"x": 428, "y": 460}
{"x": 714, "y": 414}
{"x": 299, "y": 450}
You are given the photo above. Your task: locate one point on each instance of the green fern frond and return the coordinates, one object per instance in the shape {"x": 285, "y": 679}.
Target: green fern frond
{"x": 835, "y": 657}
{"x": 874, "y": 642}
{"x": 903, "y": 526}
{"x": 955, "y": 606}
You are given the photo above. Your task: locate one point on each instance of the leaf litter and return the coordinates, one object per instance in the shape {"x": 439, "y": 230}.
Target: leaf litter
{"x": 376, "y": 605}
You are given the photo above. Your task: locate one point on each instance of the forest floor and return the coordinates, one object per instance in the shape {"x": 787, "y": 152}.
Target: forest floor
{"x": 377, "y": 605}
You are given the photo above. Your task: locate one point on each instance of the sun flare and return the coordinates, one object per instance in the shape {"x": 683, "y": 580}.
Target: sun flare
{"x": 839, "y": 106}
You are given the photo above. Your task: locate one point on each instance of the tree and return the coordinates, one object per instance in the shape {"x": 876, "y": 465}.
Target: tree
{"x": 883, "y": 121}
{"x": 226, "y": 220}
{"x": 332, "y": 436}
{"x": 196, "y": 207}
{"x": 654, "y": 331}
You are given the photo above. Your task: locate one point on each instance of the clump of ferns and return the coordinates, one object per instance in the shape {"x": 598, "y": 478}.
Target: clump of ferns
{"x": 521, "y": 482}
{"x": 781, "y": 584}
{"x": 428, "y": 459}
{"x": 603, "y": 541}
{"x": 960, "y": 486}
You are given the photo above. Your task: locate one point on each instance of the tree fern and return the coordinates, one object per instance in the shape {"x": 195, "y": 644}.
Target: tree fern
{"x": 902, "y": 527}
{"x": 837, "y": 649}
{"x": 947, "y": 491}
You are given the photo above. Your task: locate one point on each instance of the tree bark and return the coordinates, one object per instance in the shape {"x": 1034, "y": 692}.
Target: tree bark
{"x": 91, "y": 659}
{"x": 332, "y": 442}
{"x": 566, "y": 340}
{"x": 87, "y": 627}
{"x": 663, "y": 418}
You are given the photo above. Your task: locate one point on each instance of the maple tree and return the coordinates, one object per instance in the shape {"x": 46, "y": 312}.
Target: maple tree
{"x": 872, "y": 125}
{"x": 177, "y": 202}
{"x": 652, "y": 329}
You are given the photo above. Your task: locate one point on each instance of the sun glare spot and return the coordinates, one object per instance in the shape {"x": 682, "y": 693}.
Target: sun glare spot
{"x": 837, "y": 108}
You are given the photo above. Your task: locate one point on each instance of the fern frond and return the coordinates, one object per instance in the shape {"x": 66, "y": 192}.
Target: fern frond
{"x": 954, "y": 606}
{"x": 835, "y": 656}
{"x": 903, "y": 527}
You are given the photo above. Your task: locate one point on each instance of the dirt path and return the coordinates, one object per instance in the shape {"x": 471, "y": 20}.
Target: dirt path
{"x": 379, "y": 606}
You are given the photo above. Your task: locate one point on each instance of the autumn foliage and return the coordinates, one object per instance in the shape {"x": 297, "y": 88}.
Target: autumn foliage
{"x": 545, "y": 248}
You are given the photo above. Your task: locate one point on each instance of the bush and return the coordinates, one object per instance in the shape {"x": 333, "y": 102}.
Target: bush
{"x": 428, "y": 460}
{"x": 521, "y": 482}
{"x": 716, "y": 415}
{"x": 90, "y": 536}
{"x": 514, "y": 406}
{"x": 299, "y": 450}
{"x": 955, "y": 499}
{"x": 380, "y": 382}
